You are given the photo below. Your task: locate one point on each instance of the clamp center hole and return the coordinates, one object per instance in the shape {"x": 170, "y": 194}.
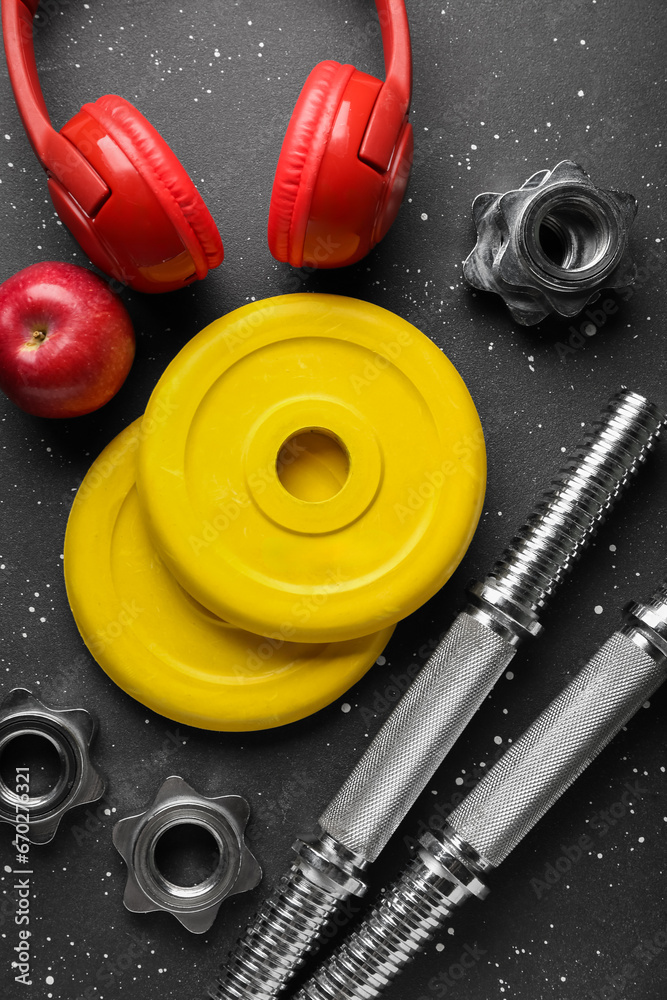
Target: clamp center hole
{"x": 573, "y": 239}
{"x": 313, "y": 465}
{"x": 187, "y": 854}
{"x": 37, "y": 753}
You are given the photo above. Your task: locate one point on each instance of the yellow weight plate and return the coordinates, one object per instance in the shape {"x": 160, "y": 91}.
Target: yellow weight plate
{"x": 311, "y": 463}
{"x": 162, "y": 647}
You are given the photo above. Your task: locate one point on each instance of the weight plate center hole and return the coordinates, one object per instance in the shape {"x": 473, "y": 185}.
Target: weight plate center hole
{"x": 313, "y": 465}
{"x": 572, "y": 238}
{"x": 40, "y": 756}
{"x": 187, "y": 855}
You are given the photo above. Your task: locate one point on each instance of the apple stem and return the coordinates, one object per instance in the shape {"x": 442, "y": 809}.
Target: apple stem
{"x": 36, "y": 339}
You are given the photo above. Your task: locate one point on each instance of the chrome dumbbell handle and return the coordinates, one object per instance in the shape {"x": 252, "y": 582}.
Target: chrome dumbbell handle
{"x": 517, "y": 791}
{"x": 560, "y": 744}
{"x": 417, "y": 736}
{"x": 449, "y": 690}
{"x": 446, "y": 694}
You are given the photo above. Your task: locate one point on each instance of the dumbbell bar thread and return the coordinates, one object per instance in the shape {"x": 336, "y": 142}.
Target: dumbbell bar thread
{"x": 423, "y": 901}
{"x": 516, "y": 792}
{"x": 297, "y": 913}
{"x": 564, "y": 521}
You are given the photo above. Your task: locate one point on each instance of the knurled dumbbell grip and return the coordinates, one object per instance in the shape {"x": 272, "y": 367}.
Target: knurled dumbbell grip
{"x": 375, "y": 798}
{"x": 496, "y": 815}
{"x": 418, "y": 735}
{"x": 562, "y": 741}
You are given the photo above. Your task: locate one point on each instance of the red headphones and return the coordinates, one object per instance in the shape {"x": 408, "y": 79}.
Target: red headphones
{"x": 118, "y": 187}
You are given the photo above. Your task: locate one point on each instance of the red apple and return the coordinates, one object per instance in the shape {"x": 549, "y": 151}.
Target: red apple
{"x": 66, "y": 341}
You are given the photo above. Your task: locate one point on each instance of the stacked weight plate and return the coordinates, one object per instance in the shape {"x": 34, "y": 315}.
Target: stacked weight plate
{"x": 309, "y": 470}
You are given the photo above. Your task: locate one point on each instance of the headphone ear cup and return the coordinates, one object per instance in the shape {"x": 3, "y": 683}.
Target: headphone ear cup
{"x": 329, "y": 207}
{"x": 158, "y": 164}
{"x": 154, "y": 226}
{"x": 301, "y": 155}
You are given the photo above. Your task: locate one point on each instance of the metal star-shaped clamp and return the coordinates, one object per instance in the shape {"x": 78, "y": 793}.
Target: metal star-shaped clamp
{"x": 70, "y": 733}
{"x": 552, "y": 245}
{"x": 176, "y": 804}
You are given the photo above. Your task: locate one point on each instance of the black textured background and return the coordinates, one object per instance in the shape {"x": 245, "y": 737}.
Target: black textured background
{"x": 518, "y": 67}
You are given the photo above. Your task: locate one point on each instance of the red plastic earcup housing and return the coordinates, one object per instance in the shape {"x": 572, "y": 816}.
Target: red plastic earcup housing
{"x": 300, "y": 158}
{"x": 328, "y": 207}
{"x": 154, "y": 231}
{"x": 396, "y": 183}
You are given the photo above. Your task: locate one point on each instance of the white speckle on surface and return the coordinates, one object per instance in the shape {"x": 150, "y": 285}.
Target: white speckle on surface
{"x": 590, "y": 329}
{"x": 580, "y": 93}
{"x": 612, "y": 548}
{"x": 345, "y": 707}
{"x": 439, "y": 946}
{"x": 424, "y": 216}
{"x": 381, "y": 660}
{"x": 598, "y": 609}
{"x": 497, "y": 740}
{"x": 49, "y": 980}
{"x": 509, "y": 675}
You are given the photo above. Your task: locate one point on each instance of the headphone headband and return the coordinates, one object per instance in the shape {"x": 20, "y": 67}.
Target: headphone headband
{"x": 59, "y": 157}
{"x": 393, "y": 101}
{"x": 56, "y": 153}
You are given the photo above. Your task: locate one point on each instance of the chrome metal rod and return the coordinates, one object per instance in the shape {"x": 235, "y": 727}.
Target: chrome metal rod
{"x": 410, "y": 746}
